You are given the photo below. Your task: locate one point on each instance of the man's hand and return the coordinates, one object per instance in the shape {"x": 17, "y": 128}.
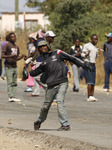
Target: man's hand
{"x": 25, "y": 57}
{"x": 87, "y": 53}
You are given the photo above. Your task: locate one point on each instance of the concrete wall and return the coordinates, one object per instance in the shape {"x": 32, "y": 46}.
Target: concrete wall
{"x": 8, "y": 20}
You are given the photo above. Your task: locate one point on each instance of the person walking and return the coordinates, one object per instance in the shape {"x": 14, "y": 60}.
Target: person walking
{"x": 11, "y": 54}
{"x": 76, "y": 51}
{"x": 3, "y": 61}
{"x": 90, "y": 53}
{"x": 108, "y": 61}
{"x": 53, "y": 67}
{"x": 31, "y": 51}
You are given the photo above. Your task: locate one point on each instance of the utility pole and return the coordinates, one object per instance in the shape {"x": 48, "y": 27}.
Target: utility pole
{"x": 16, "y": 13}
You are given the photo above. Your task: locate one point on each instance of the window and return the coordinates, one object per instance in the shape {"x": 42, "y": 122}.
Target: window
{"x": 30, "y": 23}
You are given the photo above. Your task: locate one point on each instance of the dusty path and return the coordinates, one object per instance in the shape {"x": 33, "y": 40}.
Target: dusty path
{"x": 11, "y": 139}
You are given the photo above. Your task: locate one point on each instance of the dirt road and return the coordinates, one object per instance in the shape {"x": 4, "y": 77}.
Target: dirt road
{"x": 11, "y": 139}
{"x": 91, "y": 123}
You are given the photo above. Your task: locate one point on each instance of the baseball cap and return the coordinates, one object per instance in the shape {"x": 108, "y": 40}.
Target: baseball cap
{"x": 109, "y": 35}
{"x": 33, "y": 35}
{"x": 50, "y": 33}
{"x": 41, "y": 43}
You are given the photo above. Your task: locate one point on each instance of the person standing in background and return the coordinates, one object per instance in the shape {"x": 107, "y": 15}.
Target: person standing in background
{"x": 31, "y": 51}
{"x": 108, "y": 60}
{"x": 11, "y": 54}
{"x": 90, "y": 53}
{"x": 3, "y": 61}
{"x": 76, "y": 51}
{"x": 50, "y": 38}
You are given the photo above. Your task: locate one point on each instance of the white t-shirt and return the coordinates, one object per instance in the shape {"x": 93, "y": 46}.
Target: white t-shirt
{"x": 92, "y": 55}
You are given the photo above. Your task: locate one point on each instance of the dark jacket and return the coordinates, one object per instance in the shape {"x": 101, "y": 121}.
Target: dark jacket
{"x": 107, "y": 51}
{"x": 53, "y": 67}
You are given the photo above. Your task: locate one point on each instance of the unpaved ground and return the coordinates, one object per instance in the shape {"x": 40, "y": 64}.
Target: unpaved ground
{"x": 11, "y": 139}
{"x": 90, "y": 122}
{"x": 20, "y": 140}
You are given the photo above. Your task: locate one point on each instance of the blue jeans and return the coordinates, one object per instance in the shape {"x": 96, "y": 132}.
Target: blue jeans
{"x": 90, "y": 76}
{"x": 60, "y": 91}
{"x": 108, "y": 71}
{"x": 3, "y": 70}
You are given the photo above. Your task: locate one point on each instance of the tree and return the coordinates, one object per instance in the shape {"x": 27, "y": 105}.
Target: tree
{"x": 71, "y": 19}
{"x": 33, "y": 3}
{"x": 46, "y": 6}
{"x": 106, "y": 1}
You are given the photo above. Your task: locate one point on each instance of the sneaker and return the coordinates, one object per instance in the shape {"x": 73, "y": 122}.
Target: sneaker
{"x": 28, "y": 90}
{"x": 95, "y": 99}
{"x": 76, "y": 90}
{"x": 11, "y": 100}
{"x": 35, "y": 94}
{"x": 106, "y": 90}
{"x": 37, "y": 125}
{"x": 74, "y": 87}
{"x": 64, "y": 128}
{"x": 92, "y": 99}
{"x": 14, "y": 100}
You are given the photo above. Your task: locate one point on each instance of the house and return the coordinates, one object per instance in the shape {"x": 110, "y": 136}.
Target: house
{"x": 27, "y": 17}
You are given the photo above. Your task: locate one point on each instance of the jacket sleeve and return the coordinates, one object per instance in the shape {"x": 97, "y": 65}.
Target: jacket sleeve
{"x": 37, "y": 71}
{"x": 104, "y": 50}
{"x": 72, "y": 51}
{"x": 73, "y": 59}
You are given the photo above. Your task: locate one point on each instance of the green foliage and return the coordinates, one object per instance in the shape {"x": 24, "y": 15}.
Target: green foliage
{"x": 71, "y": 19}
{"x": 46, "y": 6}
{"x": 106, "y": 1}
{"x": 32, "y": 3}
{"x": 49, "y": 6}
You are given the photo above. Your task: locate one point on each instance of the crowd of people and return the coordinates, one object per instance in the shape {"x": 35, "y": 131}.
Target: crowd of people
{"x": 48, "y": 69}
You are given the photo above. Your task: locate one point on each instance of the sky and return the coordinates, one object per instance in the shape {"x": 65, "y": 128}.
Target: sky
{"x": 9, "y": 6}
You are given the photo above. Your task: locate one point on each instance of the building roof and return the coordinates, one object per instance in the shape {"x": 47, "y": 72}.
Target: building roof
{"x": 9, "y": 6}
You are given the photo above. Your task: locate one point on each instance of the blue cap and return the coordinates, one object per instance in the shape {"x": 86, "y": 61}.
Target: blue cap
{"x": 109, "y": 35}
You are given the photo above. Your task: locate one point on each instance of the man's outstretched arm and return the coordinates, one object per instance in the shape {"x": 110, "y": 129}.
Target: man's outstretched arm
{"x": 73, "y": 59}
